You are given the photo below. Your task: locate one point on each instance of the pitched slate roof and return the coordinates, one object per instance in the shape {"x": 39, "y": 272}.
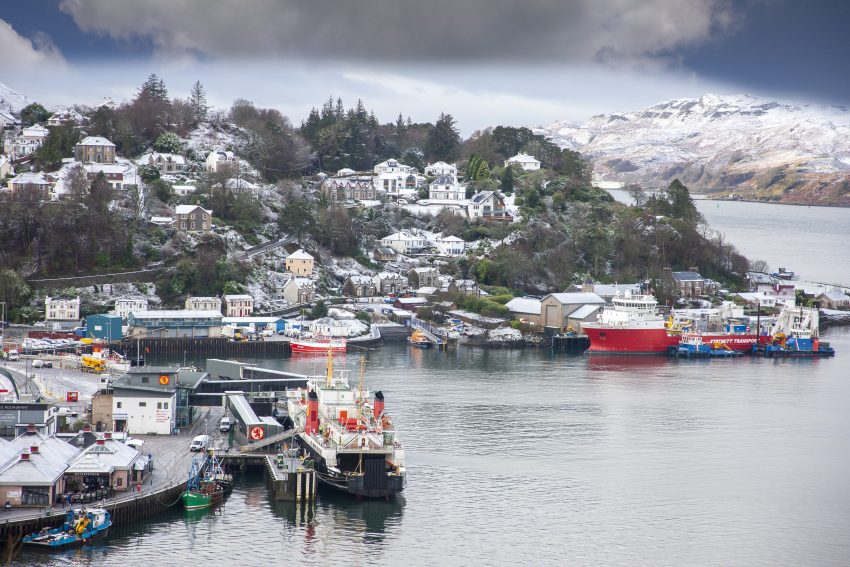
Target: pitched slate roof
{"x": 687, "y": 277}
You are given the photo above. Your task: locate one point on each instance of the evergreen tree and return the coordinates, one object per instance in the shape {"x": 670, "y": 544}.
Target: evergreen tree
{"x": 508, "y": 180}
{"x": 33, "y": 114}
{"x": 444, "y": 140}
{"x": 198, "y": 102}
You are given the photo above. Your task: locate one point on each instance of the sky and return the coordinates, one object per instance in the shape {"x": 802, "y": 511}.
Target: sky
{"x": 486, "y": 62}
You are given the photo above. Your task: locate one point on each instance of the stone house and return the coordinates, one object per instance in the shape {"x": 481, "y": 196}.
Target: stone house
{"x": 238, "y": 305}
{"x": 193, "y": 218}
{"x": 358, "y": 286}
{"x": 388, "y": 282}
{"x": 61, "y": 309}
{"x": 95, "y": 149}
{"x": 423, "y": 277}
{"x": 203, "y": 304}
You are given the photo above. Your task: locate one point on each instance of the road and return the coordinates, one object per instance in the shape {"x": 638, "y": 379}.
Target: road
{"x": 52, "y": 383}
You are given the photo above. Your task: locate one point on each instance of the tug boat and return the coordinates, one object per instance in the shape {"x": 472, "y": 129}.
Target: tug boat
{"x": 81, "y": 526}
{"x": 350, "y": 438}
{"x": 207, "y": 484}
{"x": 317, "y": 344}
{"x": 692, "y": 346}
{"x": 635, "y": 326}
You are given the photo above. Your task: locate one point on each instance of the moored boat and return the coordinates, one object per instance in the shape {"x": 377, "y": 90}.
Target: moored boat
{"x": 419, "y": 340}
{"x": 350, "y": 438}
{"x": 207, "y": 484}
{"x": 318, "y": 344}
{"x": 81, "y": 526}
{"x": 634, "y": 325}
{"x": 796, "y": 334}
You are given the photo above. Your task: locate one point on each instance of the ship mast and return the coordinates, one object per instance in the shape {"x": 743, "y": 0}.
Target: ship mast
{"x": 330, "y": 377}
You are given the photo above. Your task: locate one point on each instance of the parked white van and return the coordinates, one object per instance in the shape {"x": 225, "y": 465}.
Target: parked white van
{"x": 199, "y": 443}
{"x": 225, "y": 424}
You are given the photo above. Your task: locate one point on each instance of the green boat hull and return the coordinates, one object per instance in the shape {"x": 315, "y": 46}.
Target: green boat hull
{"x": 195, "y": 500}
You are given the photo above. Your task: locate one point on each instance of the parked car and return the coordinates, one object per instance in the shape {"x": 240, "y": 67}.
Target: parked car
{"x": 38, "y": 363}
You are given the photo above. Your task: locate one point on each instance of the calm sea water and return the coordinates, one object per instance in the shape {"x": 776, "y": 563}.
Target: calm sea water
{"x": 811, "y": 241}
{"x": 520, "y": 457}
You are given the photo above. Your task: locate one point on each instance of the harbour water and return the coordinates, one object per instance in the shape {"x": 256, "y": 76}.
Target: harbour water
{"x": 521, "y": 457}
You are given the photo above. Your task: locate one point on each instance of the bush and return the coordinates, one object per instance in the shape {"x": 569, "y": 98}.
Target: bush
{"x": 168, "y": 143}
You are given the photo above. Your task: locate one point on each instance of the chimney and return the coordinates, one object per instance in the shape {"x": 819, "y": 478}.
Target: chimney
{"x": 34, "y": 449}
{"x": 312, "y": 425}
{"x": 378, "y": 408}
{"x": 25, "y": 456}
{"x": 30, "y": 428}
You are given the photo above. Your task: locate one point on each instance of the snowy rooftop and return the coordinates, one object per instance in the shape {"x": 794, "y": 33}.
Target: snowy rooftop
{"x": 524, "y": 305}
{"x": 300, "y": 254}
{"x": 96, "y": 141}
{"x": 186, "y": 209}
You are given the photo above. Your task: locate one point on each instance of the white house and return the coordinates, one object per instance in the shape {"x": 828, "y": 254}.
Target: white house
{"x": 404, "y": 242}
{"x": 396, "y": 178}
{"x": 221, "y": 160}
{"x": 123, "y": 307}
{"x": 441, "y": 168}
{"x": 65, "y": 116}
{"x": 451, "y": 245}
{"x": 446, "y": 188}
{"x": 488, "y": 205}
{"x": 238, "y": 305}
{"x": 183, "y": 190}
{"x": 523, "y": 160}
{"x": 61, "y": 309}
{"x": 115, "y": 173}
{"x": 203, "y": 304}
{"x": 30, "y": 139}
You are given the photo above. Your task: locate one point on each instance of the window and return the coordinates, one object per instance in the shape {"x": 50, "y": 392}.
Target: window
{"x": 145, "y": 379}
{"x": 143, "y": 404}
{"x": 119, "y": 481}
{"x": 164, "y": 405}
{"x": 118, "y": 405}
{"x": 159, "y": 405}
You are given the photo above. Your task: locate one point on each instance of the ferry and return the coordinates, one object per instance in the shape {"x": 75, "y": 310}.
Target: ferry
{"x": 635, "y": 326}
{"x": 350, "y": 437}
{"x": 318, "y": 344}
{"x": 81, "y": 526}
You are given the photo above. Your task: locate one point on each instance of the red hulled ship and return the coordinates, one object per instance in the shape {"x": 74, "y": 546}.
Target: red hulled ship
{"x": 634, "y": 326}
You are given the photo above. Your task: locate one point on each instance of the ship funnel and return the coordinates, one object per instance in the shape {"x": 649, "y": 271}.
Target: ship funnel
{"x": 312, "y": 425}
{"x": 379, "y": 403}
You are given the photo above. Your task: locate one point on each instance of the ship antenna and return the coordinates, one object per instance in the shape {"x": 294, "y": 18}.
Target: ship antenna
{"x": 330, "y": 378}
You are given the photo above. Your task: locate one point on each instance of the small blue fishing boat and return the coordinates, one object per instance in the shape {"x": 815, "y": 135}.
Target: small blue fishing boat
{"x": 80, "y": 527}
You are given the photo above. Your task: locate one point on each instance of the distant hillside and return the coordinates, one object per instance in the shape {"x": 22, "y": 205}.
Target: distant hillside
{"x": 11, "y": 99}
{"x": 740, "y": 145}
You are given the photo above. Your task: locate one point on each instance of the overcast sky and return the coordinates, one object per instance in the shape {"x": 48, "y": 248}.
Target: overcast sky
{"x": 487, "y": 62}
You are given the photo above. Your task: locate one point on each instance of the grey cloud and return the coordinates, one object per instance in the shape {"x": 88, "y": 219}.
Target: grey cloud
{"x": 533, "y": 31}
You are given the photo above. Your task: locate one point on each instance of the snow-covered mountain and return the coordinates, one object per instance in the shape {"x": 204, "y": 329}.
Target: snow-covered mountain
{"x": 11, "y": 99}
{"x": 749, "y": 146}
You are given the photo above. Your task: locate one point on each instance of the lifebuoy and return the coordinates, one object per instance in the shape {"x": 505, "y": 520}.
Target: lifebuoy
{"x": 164, "y": 379}
{"x": 257, "y": 433}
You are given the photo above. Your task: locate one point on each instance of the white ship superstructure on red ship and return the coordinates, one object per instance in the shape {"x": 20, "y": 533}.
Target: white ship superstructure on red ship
{"x": 633, "y": 325}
